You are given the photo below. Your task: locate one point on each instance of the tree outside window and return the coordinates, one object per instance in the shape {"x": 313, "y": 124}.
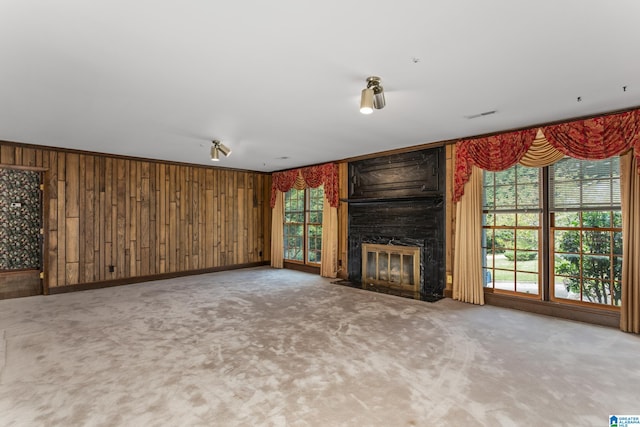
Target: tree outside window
{"x": 303, "y": 225}
{"x": 581, "y": 201}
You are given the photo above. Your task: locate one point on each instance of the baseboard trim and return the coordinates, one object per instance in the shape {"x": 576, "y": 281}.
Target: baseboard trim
{"x": 141, "y": 279}
{"x": 594, "y": 316}
{"x": 302, "y": 267}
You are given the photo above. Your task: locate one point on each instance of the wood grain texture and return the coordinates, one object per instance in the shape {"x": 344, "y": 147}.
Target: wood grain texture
{"x": 450, "y": 215}
{"x": 144, "y": 217}
{"x": 343, "y": 221}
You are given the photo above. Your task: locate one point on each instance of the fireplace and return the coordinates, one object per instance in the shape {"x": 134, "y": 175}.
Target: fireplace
{"x": 393, "y": 268}
{"x": 397, "y": 202}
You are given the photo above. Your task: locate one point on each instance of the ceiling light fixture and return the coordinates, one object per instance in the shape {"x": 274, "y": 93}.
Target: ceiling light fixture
{"x": 372, "y": 97}
{"x": 217, "y": 148}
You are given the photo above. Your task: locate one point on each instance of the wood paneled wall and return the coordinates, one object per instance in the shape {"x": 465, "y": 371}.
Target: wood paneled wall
{"x": 144, "y": 217}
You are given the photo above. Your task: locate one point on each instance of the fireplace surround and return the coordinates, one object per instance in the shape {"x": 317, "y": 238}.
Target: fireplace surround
{"x": 398, "y": 200}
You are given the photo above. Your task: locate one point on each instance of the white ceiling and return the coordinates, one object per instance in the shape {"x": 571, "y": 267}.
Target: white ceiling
{"x": 279, "y": 81}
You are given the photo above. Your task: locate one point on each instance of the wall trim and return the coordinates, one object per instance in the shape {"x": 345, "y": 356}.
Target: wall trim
{"x": 140, "y": 279}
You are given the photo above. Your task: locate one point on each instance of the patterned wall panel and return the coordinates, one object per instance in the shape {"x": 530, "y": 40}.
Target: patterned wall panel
{"x": 20, "y": 222}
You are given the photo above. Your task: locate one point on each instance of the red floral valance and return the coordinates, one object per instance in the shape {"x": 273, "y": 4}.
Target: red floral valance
{"x": 313, "y": 176}
{"x": 494, "y": 153}
{"x": 597, "y": 138}
{"x": 591, "y": 139}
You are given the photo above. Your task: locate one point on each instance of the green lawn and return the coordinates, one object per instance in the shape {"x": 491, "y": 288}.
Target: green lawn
{"x": 502, "y": 262}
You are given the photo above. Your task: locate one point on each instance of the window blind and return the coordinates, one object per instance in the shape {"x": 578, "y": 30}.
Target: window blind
{"x": 584, "y": 185}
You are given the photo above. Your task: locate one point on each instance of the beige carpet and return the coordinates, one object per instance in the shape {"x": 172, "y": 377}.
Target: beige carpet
{"x": 263, "y": 347}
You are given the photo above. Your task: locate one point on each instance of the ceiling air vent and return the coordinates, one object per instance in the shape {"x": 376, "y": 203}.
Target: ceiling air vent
{"x": 486, "y": 113}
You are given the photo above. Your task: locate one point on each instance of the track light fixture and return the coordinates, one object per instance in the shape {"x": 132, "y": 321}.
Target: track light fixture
{"x": 372, "y": 97}
{"x": 218, "y": 147}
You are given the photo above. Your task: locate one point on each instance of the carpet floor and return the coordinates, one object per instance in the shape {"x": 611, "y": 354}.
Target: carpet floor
{"x": 266, "y": 347}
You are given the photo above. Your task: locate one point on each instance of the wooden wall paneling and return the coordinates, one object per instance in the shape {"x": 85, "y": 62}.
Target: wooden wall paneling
{"x": 232, "y": 215}
{"x": 202, "y": 195}
{"x": 343, "y": 221}
{"x": 194, "y": 219}
{"x": 180, "y": 223}
{"x": 143, "y": 217}
{"x": 189, "y": 219}
{"x": 72, "y": 180}
{"x": 51, "y": 203}
{"x": 82, "y": 219}
{"x": 28, "y": 157}
{"x": 47, "y": 234}
{"x": 162, "y": 204}
{"x": 207, "y": 232}
{"x": 88, "y": 220}
{"x": 7, "y": 155}
{"x": 108, "y": 218}
{"x": 255, "y": 220}
{"x": 62, "y": 229}
{"x": 121, "y": 223}
{"x": 219, "y": 197}
{"x": 72, "y": 261}
{"x": 186, "y": 217}
{"x": 71, "y": 217}
{"x": 153, "y": 238}
{"x": 252, "y": 211}
{"x": 172, "y": 220}
{"x": 196, "y": 200}
{"x": 17, "y": 159}
{"x": 266, "y": 223}
{"x": 111, "y": 216}
{"x": 240, "y": 232}
{"x": 181, "y": 199}
{"x": 450, "y": 215}
{"x": 145, "y": 214}
{"x": 225, "y": 200}
{"x": 232, "y": 218}
{"x": 169, "y": 208}
{"x": 99, "y": 237}
{"x": 209, "y": 226}
{"x": 133, "y": 217}
{"x": 231, "y": 242}
{"x": 98, "y": 206}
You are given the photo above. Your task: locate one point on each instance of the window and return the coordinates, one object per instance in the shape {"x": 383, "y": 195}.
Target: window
{"x": 511, "y": 230}
{"x": 586, "y": 231}
{"x": 303, "y": 225}
{"x": 571, "y": 207}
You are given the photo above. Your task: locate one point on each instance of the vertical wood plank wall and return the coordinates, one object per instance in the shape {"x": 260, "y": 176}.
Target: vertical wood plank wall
{"x": 343, "y": 221}
{"x": 144, "y": 217}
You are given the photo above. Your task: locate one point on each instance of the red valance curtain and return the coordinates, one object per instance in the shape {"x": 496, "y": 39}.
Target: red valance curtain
{"x": 591, "y": 139}
{"x": 597, "y": 138}
{"x": 313, "y": 176}
{"x": 493, "y": 153}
